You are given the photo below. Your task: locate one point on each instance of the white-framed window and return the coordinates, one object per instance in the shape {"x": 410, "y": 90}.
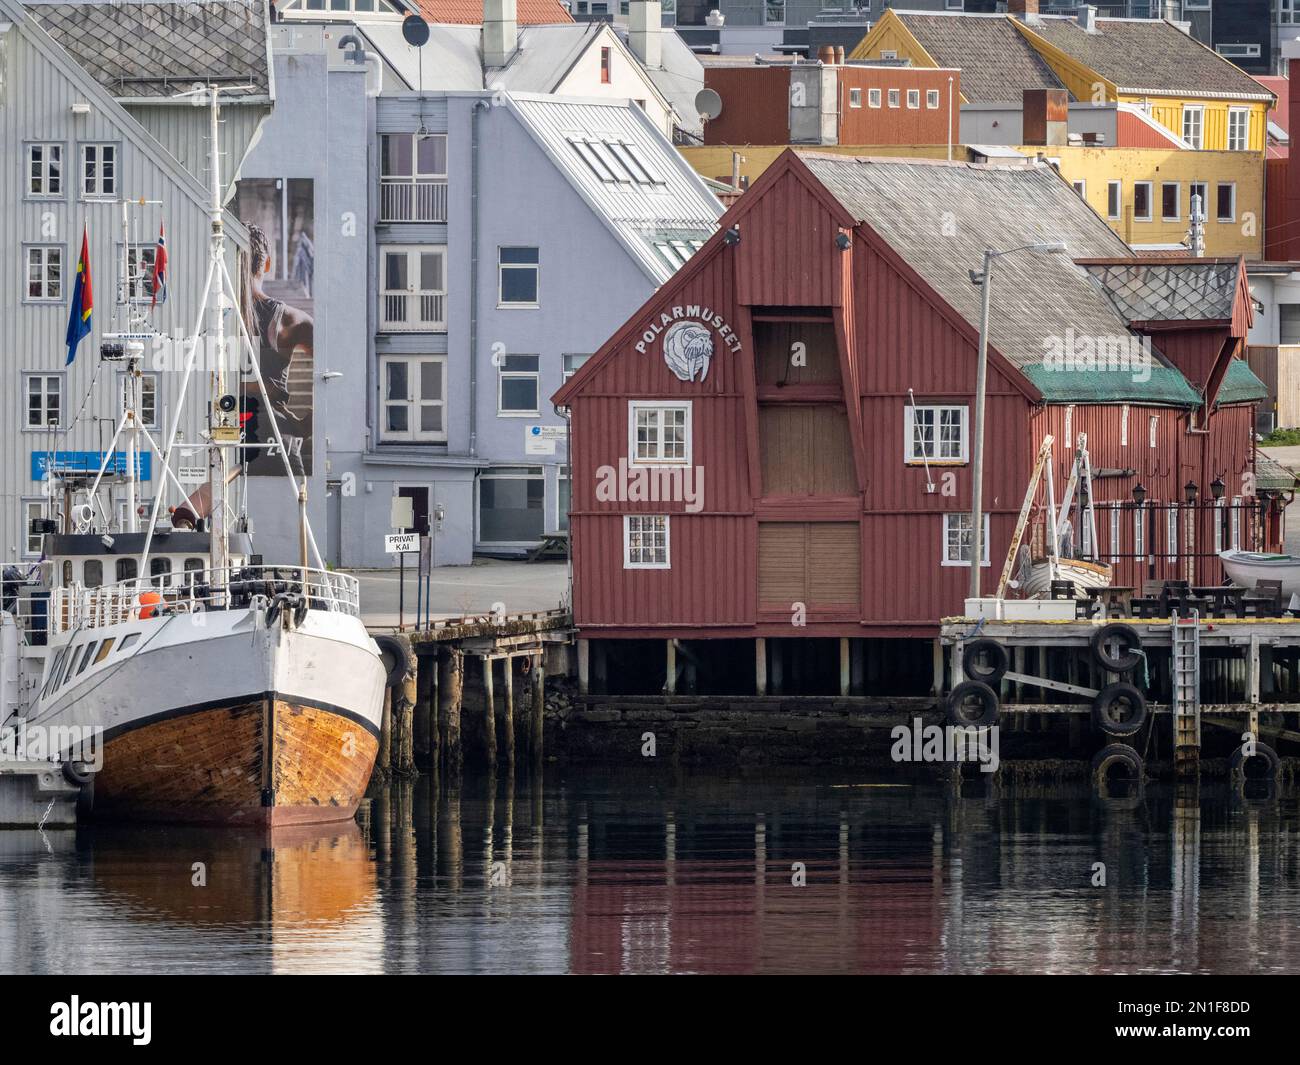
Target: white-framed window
{"x": 1142, "y": 201}
{"x": 1081, "y": 187}
{"x": 1193, "y": 124}
{"x": 645, "y": 541}
{"x": 341, "y": 9}
{"x": 873, "y": 97}
{"x": 659, "y": 433}
{"x": 1235, "y": 523}
{"x": 413, "y": 288}
{"x": 138, "y": 283}
{"x": 957, "y": 530}
{"x": 855, "y": 98}
{"x": 1288, "y": 12}
{"x": 888, "y": 53}
{"x": 1114, "y": 534}
{"x": 1170, "y": 201}
{"x": 146, "y": 398}
{"x": 44, "y": 273}
{"x": 413, "y": 177}
{"x": 1226, "y": 201}
{"x": 1247, "y": 50}
{"x": 45, "y": 171}
{"x": 43, "y": 400}
{"x": 774, "y": 13}
{"x": 1171, "y": 532}
{"x": 1238, "y": 129}
{"x": 519, "y": 385}
{"x": 932, "y": 99}
{"x": 413, "y": 390}
{"x": 518, "y": 277}
{"x": 1114, "y": 200}
{"x": 935, "y": 434}
{"x": 1153, "y": 430}
{"x": 1123, "y": 426}
{"x": 1219, "y": 504}
{"x": 98, "y": 171}
{"x": 563, "y": 498}
{"x": 511, "y": 505}
{"x": 895, "y": 98}
{"x": 1139, "y": 530}
{"x": 914, "y": 98}
{"x": 33, "y": 510}
{"x": 572, "y": 363}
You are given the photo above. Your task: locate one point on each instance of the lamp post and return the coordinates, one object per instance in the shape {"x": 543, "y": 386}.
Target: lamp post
{"x": 984, "y": 279}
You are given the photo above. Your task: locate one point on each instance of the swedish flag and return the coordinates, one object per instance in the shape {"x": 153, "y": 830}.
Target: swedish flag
{"x": 82, "y": 301}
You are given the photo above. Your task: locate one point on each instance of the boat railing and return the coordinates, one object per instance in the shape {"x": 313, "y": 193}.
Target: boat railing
{"x": 238, "y": 587}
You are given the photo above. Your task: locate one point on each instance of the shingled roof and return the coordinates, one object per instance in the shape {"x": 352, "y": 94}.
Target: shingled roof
{"x": 1154, "y": 291}
{"x": 940, "y": 217}
{"x": 997, "y": 63}
{"x": 142, "y": 50}
{"x": 470, "y": 12}
{"x": 1148, "y": 55}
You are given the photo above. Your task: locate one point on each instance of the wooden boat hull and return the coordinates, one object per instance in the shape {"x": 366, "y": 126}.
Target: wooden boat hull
{"x": 1084, "y": 574}
{"x": 266, "y": 762}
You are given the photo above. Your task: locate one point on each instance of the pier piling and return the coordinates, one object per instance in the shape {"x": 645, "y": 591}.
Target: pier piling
{"x": 508, "y": 710}
{"x": 489, "y": 715}
{"x": 538, "y": 707}
{"x": 451, "y": 681}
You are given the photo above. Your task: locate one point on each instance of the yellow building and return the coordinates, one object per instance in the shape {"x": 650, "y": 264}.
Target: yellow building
{"x": 1188, "y": 88}
{"x": 1145, "y": 194}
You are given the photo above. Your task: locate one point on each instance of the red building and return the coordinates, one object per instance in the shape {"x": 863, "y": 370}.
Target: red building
{"x": 787, "y": 102}
{"x": 777, "y": 445}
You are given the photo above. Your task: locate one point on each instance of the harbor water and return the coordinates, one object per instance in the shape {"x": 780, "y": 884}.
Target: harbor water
{"x": 655, "y": 872}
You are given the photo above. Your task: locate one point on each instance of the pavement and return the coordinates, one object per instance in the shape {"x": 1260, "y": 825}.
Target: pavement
{"x": 486, "y": 586}
{"x": 1290, "y": 458}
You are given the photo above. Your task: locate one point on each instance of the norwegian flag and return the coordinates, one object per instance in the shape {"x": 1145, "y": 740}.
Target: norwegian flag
{"x": 159, "y": 281}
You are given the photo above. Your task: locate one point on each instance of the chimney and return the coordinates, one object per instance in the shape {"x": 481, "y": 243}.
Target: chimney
{"x": 500, "y": 32}
{"x": 1046, "y": 114}
{"x": 826, "y": 54}
{"x": 644, "y": 32}
{"x": 839, "y": 54}
{"x": 1025, "y": 10}
{"x": 1087, "y": 16}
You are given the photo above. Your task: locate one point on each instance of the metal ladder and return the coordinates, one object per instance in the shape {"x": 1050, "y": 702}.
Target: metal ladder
{"x": 1185, "y": 668}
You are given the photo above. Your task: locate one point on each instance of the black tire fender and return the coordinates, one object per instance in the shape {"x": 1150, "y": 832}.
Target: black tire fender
{"x": 398, "y": 657}
{"x": 1107, "y": 709}
{"x": 957, "y": 712}
{"x": 78, "y": 774}
{"x": 997, "y": 661}
{"x": 1115, "y": 755}
{"x": 1238, "y": 760}
{"x": 1128, "y": 657}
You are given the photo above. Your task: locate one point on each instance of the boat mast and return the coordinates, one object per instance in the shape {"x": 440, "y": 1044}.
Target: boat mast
{"x": 219, "y": 547}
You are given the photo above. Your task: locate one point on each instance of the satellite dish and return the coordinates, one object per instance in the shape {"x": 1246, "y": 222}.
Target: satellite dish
{"x": 708, "y": 103}
{"x": 415, "y": 31}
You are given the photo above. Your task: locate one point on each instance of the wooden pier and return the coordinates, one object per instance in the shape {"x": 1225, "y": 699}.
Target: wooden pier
{"x": 1238, "y": 676}
{"x": 492, "y": 667}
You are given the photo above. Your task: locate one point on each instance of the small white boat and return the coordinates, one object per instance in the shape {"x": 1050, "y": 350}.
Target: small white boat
{"x": 1247, "y": 567}
{"x": 1085, "y": 574}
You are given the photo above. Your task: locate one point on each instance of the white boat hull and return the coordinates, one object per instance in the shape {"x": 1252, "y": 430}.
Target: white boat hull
{"x": 222, "y": 717}
{"x": 1246, "y": 567}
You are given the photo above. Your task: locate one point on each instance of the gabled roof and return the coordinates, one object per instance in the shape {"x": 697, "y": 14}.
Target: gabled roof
{"x": 146, "y": 50}
{"x": 129, "y": 128}
{"x": 679, "y": 78}
{"x": 1148, "y": 55}
{"x": 651, "y": 199}
{"x": 470, "y": 12}
{"x": 997, "y": 63}
{"x": 1196, "y": 290}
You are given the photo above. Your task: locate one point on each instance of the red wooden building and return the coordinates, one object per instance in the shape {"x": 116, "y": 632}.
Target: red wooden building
{"x": 777, "y": 445}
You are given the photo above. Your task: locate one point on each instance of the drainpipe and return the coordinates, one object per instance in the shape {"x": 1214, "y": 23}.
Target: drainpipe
{"x": 478, "y": 105}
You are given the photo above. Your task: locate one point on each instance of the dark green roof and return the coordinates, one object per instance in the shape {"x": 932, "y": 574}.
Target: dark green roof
{"x": 1165, "y": 387}
{"x": 1240, "y": 385}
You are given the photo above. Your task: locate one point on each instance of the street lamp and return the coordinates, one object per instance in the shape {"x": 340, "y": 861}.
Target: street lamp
{"x": 983, "y": 279}
{"x": 1216, "y": 487}
{"x": 1190, "y": 491}
{"x": 1139, "y": 494}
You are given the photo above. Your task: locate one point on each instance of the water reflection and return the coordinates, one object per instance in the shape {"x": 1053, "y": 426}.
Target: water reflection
{"x": 651, "y": 872}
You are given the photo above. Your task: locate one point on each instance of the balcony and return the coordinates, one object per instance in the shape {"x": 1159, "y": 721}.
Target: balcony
{"x": 413, "y": 312}
{"x": 412, "y": 200}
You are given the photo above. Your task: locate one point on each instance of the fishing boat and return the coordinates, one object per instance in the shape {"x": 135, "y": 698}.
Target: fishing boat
{"x": 1084, "y": 574}
{"x": 184, "y": 679}
{"x": 1247, "y": 567}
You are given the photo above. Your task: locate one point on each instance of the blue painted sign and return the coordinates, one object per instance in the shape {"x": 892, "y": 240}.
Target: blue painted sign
{"x": 88, "y": 462}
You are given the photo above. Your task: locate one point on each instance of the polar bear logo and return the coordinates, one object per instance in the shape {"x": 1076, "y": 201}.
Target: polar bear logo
{"x": 688, "y": 350}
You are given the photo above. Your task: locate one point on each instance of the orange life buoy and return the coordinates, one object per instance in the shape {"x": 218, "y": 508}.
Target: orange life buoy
{"x": 149, "y": 604}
